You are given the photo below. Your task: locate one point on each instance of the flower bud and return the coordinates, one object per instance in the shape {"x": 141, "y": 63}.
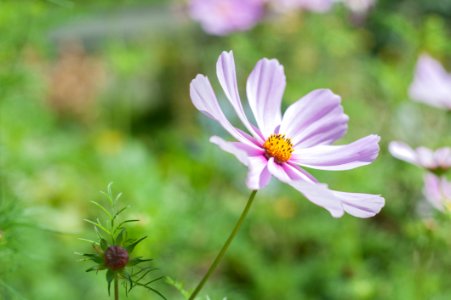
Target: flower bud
{"x": 116, "y": 258}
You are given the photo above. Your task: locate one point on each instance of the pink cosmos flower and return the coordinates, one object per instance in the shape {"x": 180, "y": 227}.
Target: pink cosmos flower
{"x": 279, "y": 145}
{"x": 438, "y": 161}
{"x": 437, "y": 191}
{"x": 221, "y": 17}
{"x": 431, "y": 83}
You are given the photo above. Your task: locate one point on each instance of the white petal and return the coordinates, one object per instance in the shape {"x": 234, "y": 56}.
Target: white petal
{"x": 258, "y": 176}
{"x": 431, "y": 84}
{"x": 239, "y": 150}
{"x": 265, "y": 87}
{"x": 317, "y": 118}
{"x": 360, "y": 205}
{"x": 204, "y": 99}
{"x": 403, "y": 152}
{"x": 343, "y": 157}
{"x": 225, "y": 70}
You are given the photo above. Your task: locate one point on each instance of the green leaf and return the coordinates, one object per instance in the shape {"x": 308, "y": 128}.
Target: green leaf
{"x": 103, "y": 244}
{"x": 117, "y": 214}
{"x": 125, "y": 222}
{"x": 137, "y": 260}
{"x": 94, "y": 257}
{"x": 120, "y": 237}
{"x": 132, "y": 246}
{"x": 109, "y": 278}
{"x": 97, "y": 225}
{"x": 89, "y": 241}
{"x": 102, "y": 208}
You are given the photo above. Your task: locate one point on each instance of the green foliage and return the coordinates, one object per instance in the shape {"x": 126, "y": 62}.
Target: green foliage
{"x": 141, "y": 131}
{"x": 112, "y": 233}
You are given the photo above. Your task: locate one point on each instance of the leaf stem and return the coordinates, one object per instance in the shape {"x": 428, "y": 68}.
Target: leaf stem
{"x": 225, "y": 246}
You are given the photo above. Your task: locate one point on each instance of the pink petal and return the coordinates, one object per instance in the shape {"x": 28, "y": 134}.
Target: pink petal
{"x": 258, "y": 176}
{"x": 222, "y": 17}
{"x": 443, "y": 157}
{"x": 320, "y": 195}
{"x": 239, "y": 150}
{"x": 316, "y": 193}
{"x": 317, "y": 118}
{"x": 432, "y": 191}
{"x": 204, "y": 99}
{"x": 403, "y": 152}
{"x": 265, "y": 87}
{"x": 225, "y": 70}
{"x": 426, "y": 158}
{"x": 431, "y": 84}
{"x": 343, "y": 157}
{"x": 288, "y": 172}
{"x": 360, "y": 205}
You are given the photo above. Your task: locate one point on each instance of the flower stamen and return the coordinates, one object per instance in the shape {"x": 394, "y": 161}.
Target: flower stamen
{"x": 279, "y": 147}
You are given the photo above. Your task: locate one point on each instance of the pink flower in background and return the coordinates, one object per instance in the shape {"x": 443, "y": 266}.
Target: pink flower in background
{"x": 279, "y": 145}
{"x": 437, "y": 161}
{"x": 359, "y": 7}
{"x": 319, "y": 6}
{"x": 437, "y": 191}
{"x": 221, "y": 17}
{"x": 431, "y": 83}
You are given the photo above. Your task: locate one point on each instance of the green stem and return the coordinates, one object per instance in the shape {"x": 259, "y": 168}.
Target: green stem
{"x": 116, "y": 288}
{"x": 225, "y": 247}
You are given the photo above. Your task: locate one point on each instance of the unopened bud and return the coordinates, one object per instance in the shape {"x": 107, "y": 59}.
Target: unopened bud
{"x": 116, "y": 257}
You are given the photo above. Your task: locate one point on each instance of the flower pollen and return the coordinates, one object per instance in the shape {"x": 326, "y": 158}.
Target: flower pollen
{"x": 279, "y": 147}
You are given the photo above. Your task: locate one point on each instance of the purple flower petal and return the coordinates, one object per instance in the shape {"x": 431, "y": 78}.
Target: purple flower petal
{"x": 433, "y": 191}
{"x": 310, "y": 124}
{"x": 289, "y": 172}
{"x": 221, "y": 17}
{"x": 265, "y": 87}
{"x": 403, "y": 152}
{"x": 343, "y": 157}
{"x": 320, "y": 195}
{"x": 431, "y": 84}
{"x": 315, "y": 119}
{"x": 426, "y": 158}
{"x": 239, "y": 150}
{"x": 443, "y": 157}
{"x": 258, "y": 176}
{"x": 422, "y": 156}
{"x": 225, "y": 70}
{"x": 360, "y": 205}
{"x": 205, "y": 101}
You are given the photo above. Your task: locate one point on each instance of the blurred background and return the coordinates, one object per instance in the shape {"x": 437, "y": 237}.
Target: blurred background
{"x": 97, "y": 91}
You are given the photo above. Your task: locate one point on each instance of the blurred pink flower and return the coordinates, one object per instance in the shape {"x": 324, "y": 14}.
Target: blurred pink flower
{"x": 437, "y": 191}
{"x": 319, "y": 6}
{"x": 359, "y": 7}
{"x": 279, "y": 145}
{"x": 221, "y": 17}
{"x": 437, "y": 161}
{"x": 431, "y": 83}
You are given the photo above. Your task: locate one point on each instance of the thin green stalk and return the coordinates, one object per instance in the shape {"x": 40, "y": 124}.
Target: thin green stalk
{"x": 116, "y": 287}
{"x": 225, "y": 247}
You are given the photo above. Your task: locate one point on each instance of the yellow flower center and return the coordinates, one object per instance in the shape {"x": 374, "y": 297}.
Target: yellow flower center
{"x": 279, "y": 147}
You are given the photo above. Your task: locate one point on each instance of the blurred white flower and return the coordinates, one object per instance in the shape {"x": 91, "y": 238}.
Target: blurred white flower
{"x": 431, "y": 83}
{"x": 437, "y": 191}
